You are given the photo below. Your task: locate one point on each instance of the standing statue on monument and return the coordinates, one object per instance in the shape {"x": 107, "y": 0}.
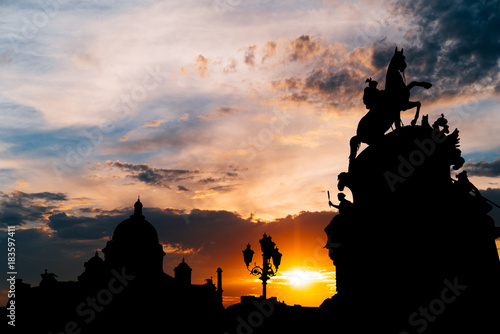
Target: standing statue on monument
{"x": 344, "y": 206}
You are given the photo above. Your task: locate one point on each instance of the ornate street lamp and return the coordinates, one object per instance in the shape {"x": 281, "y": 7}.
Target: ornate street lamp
{"x": 248, "y": 255}
{"x": 269, "y": 251}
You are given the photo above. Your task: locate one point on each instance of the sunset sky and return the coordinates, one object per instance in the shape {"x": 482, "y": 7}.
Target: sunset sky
{"x": 229, "y": 118}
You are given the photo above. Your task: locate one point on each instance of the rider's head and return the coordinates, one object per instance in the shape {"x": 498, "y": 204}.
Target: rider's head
{"x": 341, "y": 196}
{"x": 371, "y": 83}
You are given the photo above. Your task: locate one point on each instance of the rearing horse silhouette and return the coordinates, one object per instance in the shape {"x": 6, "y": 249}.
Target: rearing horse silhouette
{"x": 393, "y": 100}
{"x": 397, "y": 93}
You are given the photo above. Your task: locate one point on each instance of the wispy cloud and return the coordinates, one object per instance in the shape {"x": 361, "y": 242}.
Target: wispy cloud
{"x": 219, "y": 113}
{"x": 154, "y": 176}
{"x": 151, "y": 124}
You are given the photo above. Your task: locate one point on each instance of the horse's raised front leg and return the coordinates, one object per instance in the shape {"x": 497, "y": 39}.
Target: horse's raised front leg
{"x": 411, "y": 105}
{"x": 414, "y": 122}
{"x": 426, "y": 85}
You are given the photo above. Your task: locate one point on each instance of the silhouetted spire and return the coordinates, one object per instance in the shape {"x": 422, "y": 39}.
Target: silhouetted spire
{"x": 138, "y": 208}
{"x": 219, "y": 280}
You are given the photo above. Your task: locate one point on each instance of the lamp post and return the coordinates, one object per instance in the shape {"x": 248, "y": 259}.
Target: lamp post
{"x": 269, "y": 251}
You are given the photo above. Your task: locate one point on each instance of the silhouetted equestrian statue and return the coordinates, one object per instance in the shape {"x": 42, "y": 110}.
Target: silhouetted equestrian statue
{"x": 385, "y": 106}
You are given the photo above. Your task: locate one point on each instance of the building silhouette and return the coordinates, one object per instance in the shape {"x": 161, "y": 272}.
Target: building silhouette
{"x": 183, "y": 273}
{"x": 126, "y": 292}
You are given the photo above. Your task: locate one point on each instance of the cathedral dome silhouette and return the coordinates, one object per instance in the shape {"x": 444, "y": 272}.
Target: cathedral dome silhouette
{"x": 136, "y": 228}
{"x": 135, "y": 245}
{"x": 94, "y": 261}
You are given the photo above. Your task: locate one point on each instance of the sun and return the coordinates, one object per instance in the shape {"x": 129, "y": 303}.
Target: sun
{"x": 300, "y": 278}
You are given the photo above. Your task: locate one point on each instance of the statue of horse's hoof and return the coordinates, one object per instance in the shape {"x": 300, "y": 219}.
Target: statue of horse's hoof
{"x": 414, "y": 122}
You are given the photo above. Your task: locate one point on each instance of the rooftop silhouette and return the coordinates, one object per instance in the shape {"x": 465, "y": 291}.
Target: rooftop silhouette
{"x": 126, "y": 292}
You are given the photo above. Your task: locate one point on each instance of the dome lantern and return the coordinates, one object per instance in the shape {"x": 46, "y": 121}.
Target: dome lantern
{"x": 138, "y": 208}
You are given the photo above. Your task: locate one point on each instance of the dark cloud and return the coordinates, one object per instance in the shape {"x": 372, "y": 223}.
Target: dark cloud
{"x": 90, "y": 210}
{"x": 338, "y": 87}
{"x": 337, "y": 79}
{"x": 250, "y": 55}
{"x": 452, "y": 44}
{"x": 161, "y": 177}
{"x": 18, "y": 208}
{"x": 219, "y": 113}
{"x": 84, "y": 228}
{"x": 208, "y": 180}
{"x": 154, "y": 176}
{"x": 38, "y": 249}
{"x": 303, "y": 48}
{"x": 483, "y": 168}
{"x": 182, "y": 188}
{"x": 220, "y": 236}
{"x": 459, "y": 47}
{"x": 493, "y": 194}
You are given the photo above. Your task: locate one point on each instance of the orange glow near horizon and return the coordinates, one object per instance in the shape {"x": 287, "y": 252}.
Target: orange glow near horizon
{"x": 296, "y": 282}
{"x": 297, "y": 285}
{"x": 306, "y": 276}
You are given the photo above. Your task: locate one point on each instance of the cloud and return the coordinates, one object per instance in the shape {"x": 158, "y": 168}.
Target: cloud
{"x": 41, "y": 250}
{"x": 152, "y": 124}
{"x": 204, "y": 230}
{"x": 195, "y": 179}
{"x": 220, "y": 235}
{"x": 458, "y": 50}
{"x": 182, "y": 188}
{"x": 208, "y": 180}
{"x": 219, "y": 113}
{"x": 483, "y": 168}
{"x": 201, "y": 66}
{"x": 82, "y": 228}
{"x": 303, "y": 48}
{"x": 269, "y": 50}
{"x": 21, "y": 184}
{"x": 493, "y": 194}
{"x": 154, "y": 176}
{"x": 335, "y": 79}
{"x": 19, "y": 208}
{"x": 231, "y": 67}
{"x": 250, "y": 55}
